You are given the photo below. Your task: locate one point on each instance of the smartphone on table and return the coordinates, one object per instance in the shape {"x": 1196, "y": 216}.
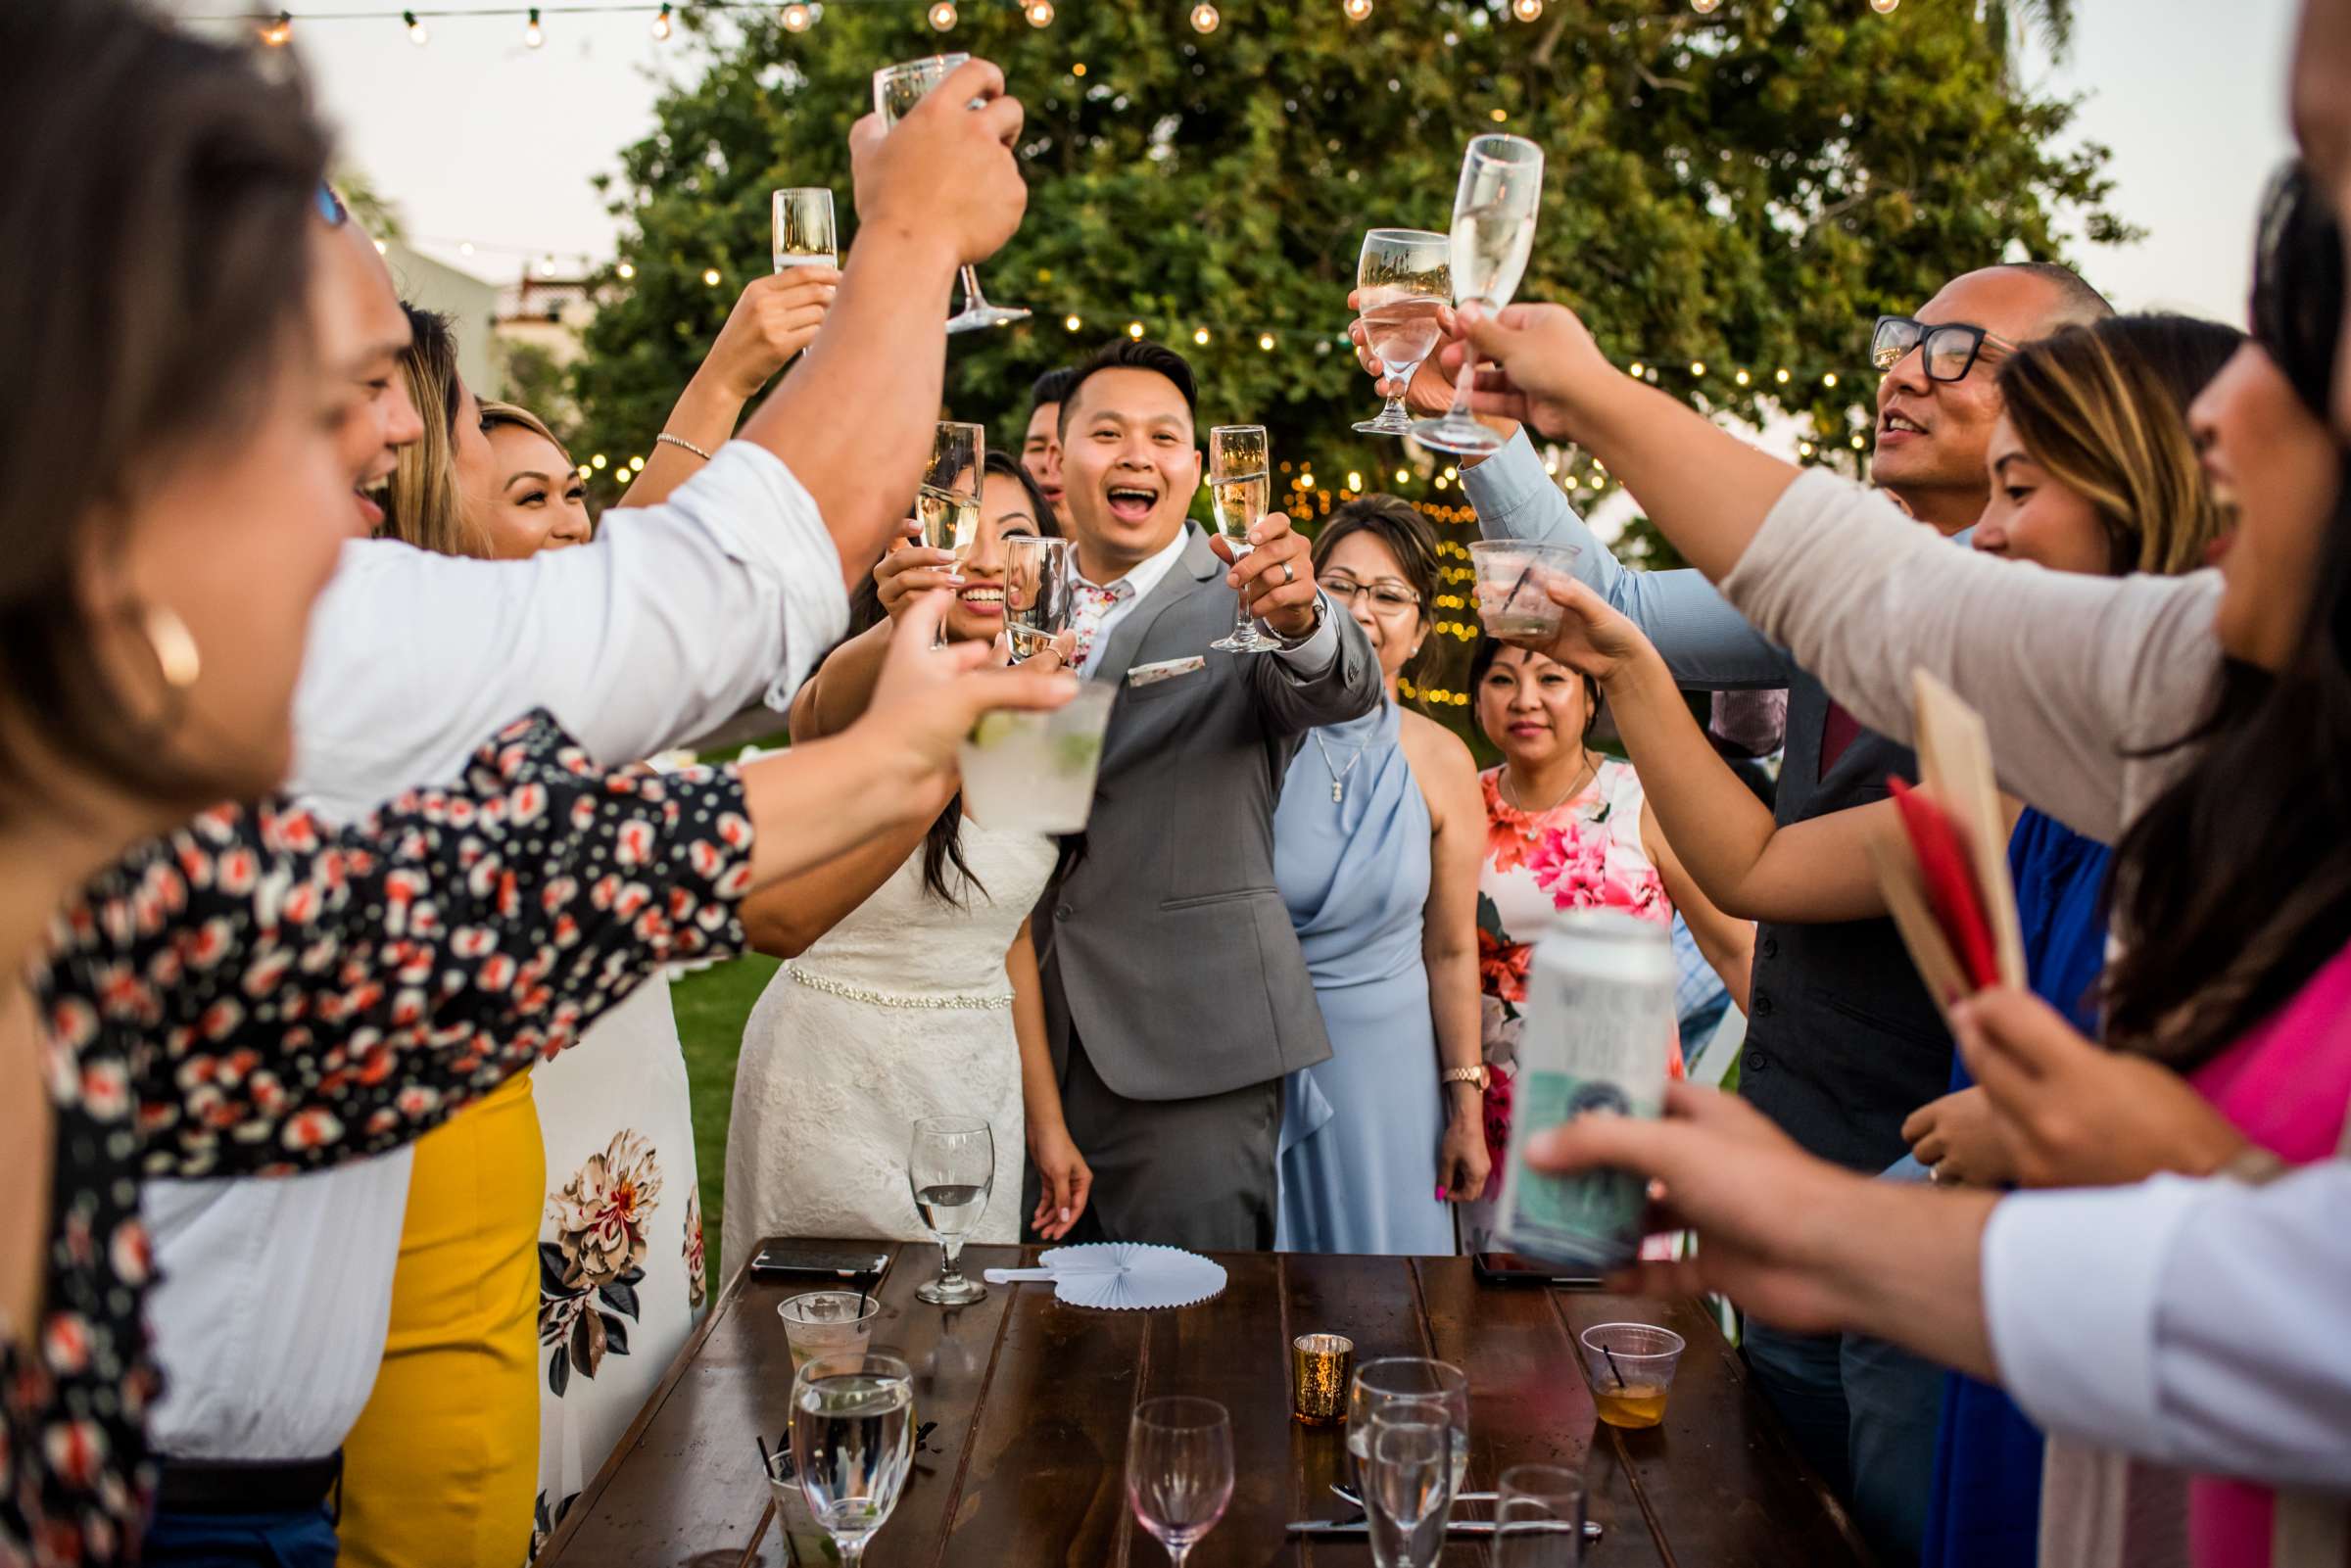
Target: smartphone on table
{"x": 1509, "y": 1268}
{"x": 819, "y": 1260}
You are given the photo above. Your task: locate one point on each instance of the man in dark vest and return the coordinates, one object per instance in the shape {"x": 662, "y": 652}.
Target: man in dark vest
{"x": 1844, "y": 1042}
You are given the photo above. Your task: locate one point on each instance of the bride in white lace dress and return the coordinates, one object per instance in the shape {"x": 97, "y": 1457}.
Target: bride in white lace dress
{"x": 921, "y": 999}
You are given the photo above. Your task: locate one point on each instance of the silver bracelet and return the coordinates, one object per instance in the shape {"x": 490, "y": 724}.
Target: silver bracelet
{"x": 681, "y": 441}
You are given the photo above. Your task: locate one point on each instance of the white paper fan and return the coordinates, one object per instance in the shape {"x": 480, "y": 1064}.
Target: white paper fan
{"x": 1122, "y": 1276}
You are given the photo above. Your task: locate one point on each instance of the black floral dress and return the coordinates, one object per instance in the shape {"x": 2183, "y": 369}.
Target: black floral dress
{"x": 257, "y": 994}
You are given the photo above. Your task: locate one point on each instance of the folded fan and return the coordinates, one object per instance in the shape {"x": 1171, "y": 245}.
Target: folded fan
{"x": 1122, "y": 1276}
{"x": 1950, "y": 884}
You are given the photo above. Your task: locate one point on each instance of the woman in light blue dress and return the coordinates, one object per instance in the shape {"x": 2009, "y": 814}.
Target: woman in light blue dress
{"x": 1377, "y": 839}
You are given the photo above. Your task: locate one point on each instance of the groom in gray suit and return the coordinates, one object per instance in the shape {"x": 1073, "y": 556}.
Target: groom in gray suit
{"x": 1176, "y": 996}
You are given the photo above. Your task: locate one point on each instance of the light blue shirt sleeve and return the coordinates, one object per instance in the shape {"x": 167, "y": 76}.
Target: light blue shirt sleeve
{"x": 1706, "y": 644}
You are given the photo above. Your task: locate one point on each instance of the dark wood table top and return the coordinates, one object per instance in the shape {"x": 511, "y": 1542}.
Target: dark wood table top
{"x": 1032, "y": 1400}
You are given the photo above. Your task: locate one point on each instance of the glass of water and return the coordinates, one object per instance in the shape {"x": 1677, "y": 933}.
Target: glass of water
{"x": 1039, "y": 595}
{"x": 1406, "y": 1481}
{"x": 897, "y": 89}
{"x": 800, "y": 228}
{"x": 1401, "y": 281}
{"x": 1493, "y": 234}
{"x": 1179, "y": 1470}
{"x": 1408, "y": 1377}
{"x": 951, "y": 1166}
{"x": 1539, "y": 1517}
{"x": 852, "y": 1443}
{"x": 1240, "y": 491}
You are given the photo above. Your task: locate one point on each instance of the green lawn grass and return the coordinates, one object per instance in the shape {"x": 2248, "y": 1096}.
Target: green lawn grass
{"x": 711, "y": 1006}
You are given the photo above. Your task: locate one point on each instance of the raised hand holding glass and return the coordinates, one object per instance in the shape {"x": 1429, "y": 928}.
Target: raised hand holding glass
{"x": 1040, "y": 593}
{"x": 1493, "y": 235}
{"x": 897, "y": 89}
{"x": 1402, "y": 279}
{"x": 1240, "y": 491}
{"x": 800, "y": 228}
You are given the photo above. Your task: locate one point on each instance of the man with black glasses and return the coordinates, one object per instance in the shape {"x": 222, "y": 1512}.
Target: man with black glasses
{"x": 1843, "y": 1042}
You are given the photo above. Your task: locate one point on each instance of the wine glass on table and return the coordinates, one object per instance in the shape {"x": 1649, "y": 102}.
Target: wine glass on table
{"x": 897, "y": 89}
{"x": 1539, "y": 1517}
{"x": 1493, "y": 234}
{"x": 1406, "y": 1474}
{"x": 852, "y": 1443}
{"x": 1401, "y": 281}
{"x": 1179, "y": 1470}
{"x": 951, "y": 1166}
{"x": 1240, "y": 492}
{"x": 1039, "y": 595}
{"x": 800, "y": 228}
{"x": 1408, "y": 1377}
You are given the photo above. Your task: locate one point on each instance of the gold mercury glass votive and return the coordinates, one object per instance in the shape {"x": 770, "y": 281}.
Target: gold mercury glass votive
{"x": 1319, "y": 1365}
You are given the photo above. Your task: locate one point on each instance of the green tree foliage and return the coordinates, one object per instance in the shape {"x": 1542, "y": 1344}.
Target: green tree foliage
{"x": 1741, "y": 190}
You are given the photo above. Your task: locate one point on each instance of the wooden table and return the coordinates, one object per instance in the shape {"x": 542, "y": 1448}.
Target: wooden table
{"x": 1032, "y": 1400}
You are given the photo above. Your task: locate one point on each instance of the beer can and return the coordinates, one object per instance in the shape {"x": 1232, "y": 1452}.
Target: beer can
{"x": 1598, "y": 1032}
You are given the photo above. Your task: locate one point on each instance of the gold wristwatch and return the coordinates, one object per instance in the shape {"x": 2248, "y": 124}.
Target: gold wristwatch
{"x": 1481, "y": 1076}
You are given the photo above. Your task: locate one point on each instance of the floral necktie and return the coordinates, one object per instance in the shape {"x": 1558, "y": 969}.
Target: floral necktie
{"x": 1093, "y": 604}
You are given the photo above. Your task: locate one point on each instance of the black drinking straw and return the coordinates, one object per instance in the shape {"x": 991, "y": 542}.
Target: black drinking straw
{"x": 767, "y": 1463}
{"x": 1513, "y": 596}
{"x": 1618, "y": 1371}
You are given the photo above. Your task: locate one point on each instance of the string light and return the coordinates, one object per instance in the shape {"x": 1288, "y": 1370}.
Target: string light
{"x": 1205, "y": 17}
{"x": 627, "y": 270}
{"x": 417, "y": 34}
{"x": 532, "y": 34}
{"x": 637, "y": 465}
{"x": 1200, "y": 336}
{"x": 1697, "y": 368}
{"x": 1355, "y": 481}
{"x": 1134, "y": 330}
{"x": 661, "y": 23}
{"x": 598, "y": 462}
{"x": 943, "y": 15}
{"x": 1039, "y": 13}
{"x": 1526, "y": 10}
{"x": 1856, "y": 444}
{"x": 1355, "y": 10}
{"x": 797, "y": 17}
{"x": 1704, "y": 8}
{"x": 278, "y": 32}
{"x": 710, "y": 277}
{"x": 1829, "y": 380}
{"x": 1403, "y": 475}
{"x": 1636, "y": 370}
{"x": 585, "y": 472}
{"x": 1780, "y": 375}
{"x": 1078, "y": 69}
{"x": 1264, "y": 340}
{"x": 1803, "y": 448}
{"x": 1741, "y": 378}
{"x": 1884, "y": 8}
{"x": 1073, "y": 322}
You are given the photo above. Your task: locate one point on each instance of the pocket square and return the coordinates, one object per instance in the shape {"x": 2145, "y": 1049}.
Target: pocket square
{"x": 1165, "y": 670}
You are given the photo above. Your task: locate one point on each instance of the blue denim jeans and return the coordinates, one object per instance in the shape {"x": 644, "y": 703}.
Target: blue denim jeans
{"x": 305, "y": 1539}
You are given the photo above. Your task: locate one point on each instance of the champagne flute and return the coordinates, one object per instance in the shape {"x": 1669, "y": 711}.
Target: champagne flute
{"x": 852, "y": 1444}
{"x": 1493, "y": 234}
{"x": 952, "y": 1169}
{"x": 897, "y": 89}
{"x": 1408, "y": 1377}
{"x": 1039, "y": 595}
{"x": 801, "y": 227}
{"x": 947, "y": 502}
{"x": 1179, "y": 1470}
{"x": 1407, "y": 1481}
{"x": 1401, "y": 280}
{"x": 1539, "y": 1517}
{"x": 1240, "y": 492}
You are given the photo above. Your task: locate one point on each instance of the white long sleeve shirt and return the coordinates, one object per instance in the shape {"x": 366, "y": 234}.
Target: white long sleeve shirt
{"x": 275, "y": 1295}
{"x": 2201, "y": 1324}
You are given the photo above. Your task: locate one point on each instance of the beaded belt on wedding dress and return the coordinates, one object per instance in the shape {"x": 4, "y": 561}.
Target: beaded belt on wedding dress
{"x": 858, "y": 993}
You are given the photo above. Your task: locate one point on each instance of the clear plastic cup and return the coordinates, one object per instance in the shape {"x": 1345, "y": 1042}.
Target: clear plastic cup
{"x": 1631, "y": 1366}
{"x": 1512, "y": 598}
{"x": 1036, "y": 770}
{"x": 825, "y": 1325}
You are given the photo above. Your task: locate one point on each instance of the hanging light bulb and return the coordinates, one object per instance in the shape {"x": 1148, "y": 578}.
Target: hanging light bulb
{"x": 532, "y": 34}
{"x": 627, "y": 270}
{"x": 943, "y": 15}
{"x": 1355, "y": 10}
{"x": 797, "y": 17}
{"x": 1205, "y": 17}
{"x": 1704, "y": 8}
{"x": 1134, "y": 330}
{"x": 417, "y": 34}
{"x": 710, "y": 277}
{"x": 1884, "y": 8}
{"x": 661, "y": 23}
{"x": 1264, "y": 340}
{"x": 276, "y": 32}
{"x": 1039, "y": 13}
{"x": 1526, "y": 10}
{"x": 1200, "y": 336}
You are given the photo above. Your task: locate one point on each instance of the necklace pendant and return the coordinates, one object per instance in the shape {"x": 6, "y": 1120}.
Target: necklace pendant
{"x": 1338, "y": 791}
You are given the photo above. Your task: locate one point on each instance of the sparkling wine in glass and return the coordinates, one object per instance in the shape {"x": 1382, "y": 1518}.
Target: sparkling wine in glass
{"x": 1040, "y": 593}
{"x": 1406, "y": 1476}
{"x": 1240, "y": 491}
{"x": 951, "y": 1166}
{"x": 852, "y": 1443}
{"x": 800, "y": 228}
{"x": 947, "y": 502}
{"x": 897, "y": 89}
{"x": 1179, "y": 1470}
{"x": 1493, "y": 234}
{"x": 1401, "y": 281}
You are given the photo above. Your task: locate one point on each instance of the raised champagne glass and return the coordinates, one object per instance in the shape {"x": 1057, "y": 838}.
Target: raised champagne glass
{"x": 951, "y": 1167}
{"x": 897, "y": 89}
{"x": 800, "y": 228}
{"x": 1493, "y": 234}
{"x": 1040, "y": 593}
{"x": 1401, "y": 281}
{"x": 1240, "y": 492}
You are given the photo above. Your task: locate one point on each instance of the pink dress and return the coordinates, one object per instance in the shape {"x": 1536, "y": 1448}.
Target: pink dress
{"x": 2285, "y": 1086}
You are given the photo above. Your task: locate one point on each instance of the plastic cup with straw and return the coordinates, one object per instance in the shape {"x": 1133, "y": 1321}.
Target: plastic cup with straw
{"x": 1631, "y": 1366}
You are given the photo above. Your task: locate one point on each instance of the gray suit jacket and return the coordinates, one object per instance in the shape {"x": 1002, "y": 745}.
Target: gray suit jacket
{"x": 1164, "y": 945}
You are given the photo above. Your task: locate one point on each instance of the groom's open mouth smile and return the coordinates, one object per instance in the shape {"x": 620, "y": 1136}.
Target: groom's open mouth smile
{"x": 1131, "y": 501}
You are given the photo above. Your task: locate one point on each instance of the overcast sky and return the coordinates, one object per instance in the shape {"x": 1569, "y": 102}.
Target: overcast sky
{"x": 481, "y": 140}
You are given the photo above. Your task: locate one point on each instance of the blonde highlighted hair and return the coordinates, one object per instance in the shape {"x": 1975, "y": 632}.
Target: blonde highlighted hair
{"x": 422, "y": 506}
{"x": 2103, "y": 409}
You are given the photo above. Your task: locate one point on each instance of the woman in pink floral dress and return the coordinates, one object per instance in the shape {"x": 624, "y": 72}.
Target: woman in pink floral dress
{"x": 1566, "y": 827}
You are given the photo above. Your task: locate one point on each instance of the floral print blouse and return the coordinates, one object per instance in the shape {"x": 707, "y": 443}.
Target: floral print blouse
{"x": 257, "y": 994}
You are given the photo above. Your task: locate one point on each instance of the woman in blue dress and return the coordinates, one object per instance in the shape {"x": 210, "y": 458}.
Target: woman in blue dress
{"x": 1379, "y": 834}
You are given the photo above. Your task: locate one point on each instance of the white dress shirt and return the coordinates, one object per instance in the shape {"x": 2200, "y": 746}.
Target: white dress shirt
{"x": 1309, "y": 658}
{"x": 275, "y": 1295}
{"x": 2201, "y": 1324}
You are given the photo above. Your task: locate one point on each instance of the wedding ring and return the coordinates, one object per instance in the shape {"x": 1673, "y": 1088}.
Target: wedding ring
{"x": 1289, "y": 573}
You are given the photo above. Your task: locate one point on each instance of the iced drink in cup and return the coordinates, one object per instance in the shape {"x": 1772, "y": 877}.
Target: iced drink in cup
{"x": 1631, "y": 1366}
{"x": 821, "y": 1325}
{"x": 1037, "y": 769}
{"x": 1513, "y": 593}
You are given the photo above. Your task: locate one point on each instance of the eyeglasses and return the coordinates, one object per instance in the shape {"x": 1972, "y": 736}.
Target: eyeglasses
{"x": 330, "y": 206}
{"x": 1387, "y": 598}
{"x": 1952, "y": 348}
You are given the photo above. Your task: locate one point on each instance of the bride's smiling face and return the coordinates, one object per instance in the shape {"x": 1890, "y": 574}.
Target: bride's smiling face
{"x": 1005, "y": 512}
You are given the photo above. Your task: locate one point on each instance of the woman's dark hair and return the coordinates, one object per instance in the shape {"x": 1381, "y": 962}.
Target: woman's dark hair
{"x": 1398, "y": 523}
{"x": 154, "y": 266}
{"x": 2232, "y": 888}
{"x": 942, "y": 845}
{"x": 1481, "y": 659}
